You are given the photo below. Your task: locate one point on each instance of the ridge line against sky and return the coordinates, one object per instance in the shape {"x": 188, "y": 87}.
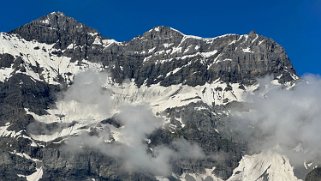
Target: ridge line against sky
{"x": 295, "y": 24}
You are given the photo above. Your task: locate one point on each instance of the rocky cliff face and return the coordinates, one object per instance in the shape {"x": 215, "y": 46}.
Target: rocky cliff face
{"x": 164, "y": 55}
{"x": 58, "y": 29}
{"x": 314, "y": 175}
{"x": 190, "y": 82}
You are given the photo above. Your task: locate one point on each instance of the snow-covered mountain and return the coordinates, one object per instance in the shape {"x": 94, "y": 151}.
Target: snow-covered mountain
{"x": 65, "y": 89}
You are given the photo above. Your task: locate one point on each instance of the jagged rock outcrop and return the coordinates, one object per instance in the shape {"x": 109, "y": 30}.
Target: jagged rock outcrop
{"x": 58, "y": 29}
{"x": 164, "y": 55}
{"x": 314, "y": 175}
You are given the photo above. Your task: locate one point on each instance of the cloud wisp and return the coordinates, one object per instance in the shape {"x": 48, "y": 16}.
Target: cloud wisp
{"x": 288, "y": 121}
{"x": 132, "y": 146}
{"x": 128, "y": 143}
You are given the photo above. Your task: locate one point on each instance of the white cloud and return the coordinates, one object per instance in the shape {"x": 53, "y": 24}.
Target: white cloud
{"x": 284, "y": 119}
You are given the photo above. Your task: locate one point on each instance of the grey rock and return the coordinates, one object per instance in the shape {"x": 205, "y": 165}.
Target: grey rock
{"x": 314, "y": 175}
{"x": 6, "y": 60}
{"x": 162, "y": 55}
{"x": 11, "y": 165}
{"x": 58, "y": 29}
{"x": 152, "y": 57}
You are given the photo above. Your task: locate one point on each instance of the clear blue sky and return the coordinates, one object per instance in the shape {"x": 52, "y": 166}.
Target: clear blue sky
{"x": 295, "y": 24}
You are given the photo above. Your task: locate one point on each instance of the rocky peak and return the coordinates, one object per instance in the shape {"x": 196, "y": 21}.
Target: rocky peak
{"x": 57, "y": 13}
{"x": 165, "y": 55}
{"x": 162, "y": 32}
{"x": 57, "y": 28}
{"x": 252, "y": 33}
{"x": 155, "y": 39}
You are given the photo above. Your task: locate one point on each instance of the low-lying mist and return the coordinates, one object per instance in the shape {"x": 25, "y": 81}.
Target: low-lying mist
{"x": 129, "y": 144}
{"x": 278, "y": 118}
{"x": 287, "y": 120}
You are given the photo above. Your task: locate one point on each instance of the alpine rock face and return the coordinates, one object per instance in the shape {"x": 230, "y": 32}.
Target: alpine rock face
{"x": 62, "y": 83}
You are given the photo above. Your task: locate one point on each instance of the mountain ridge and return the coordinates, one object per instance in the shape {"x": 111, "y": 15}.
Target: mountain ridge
{"x": 189, "y": 82}
{"x": 233, "y": 55}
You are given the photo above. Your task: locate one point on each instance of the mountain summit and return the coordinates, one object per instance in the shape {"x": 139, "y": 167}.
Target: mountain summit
{"x": 230, "y": 58}
{"x": 77, "y": 106}
{"x": 56, "y": 28}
